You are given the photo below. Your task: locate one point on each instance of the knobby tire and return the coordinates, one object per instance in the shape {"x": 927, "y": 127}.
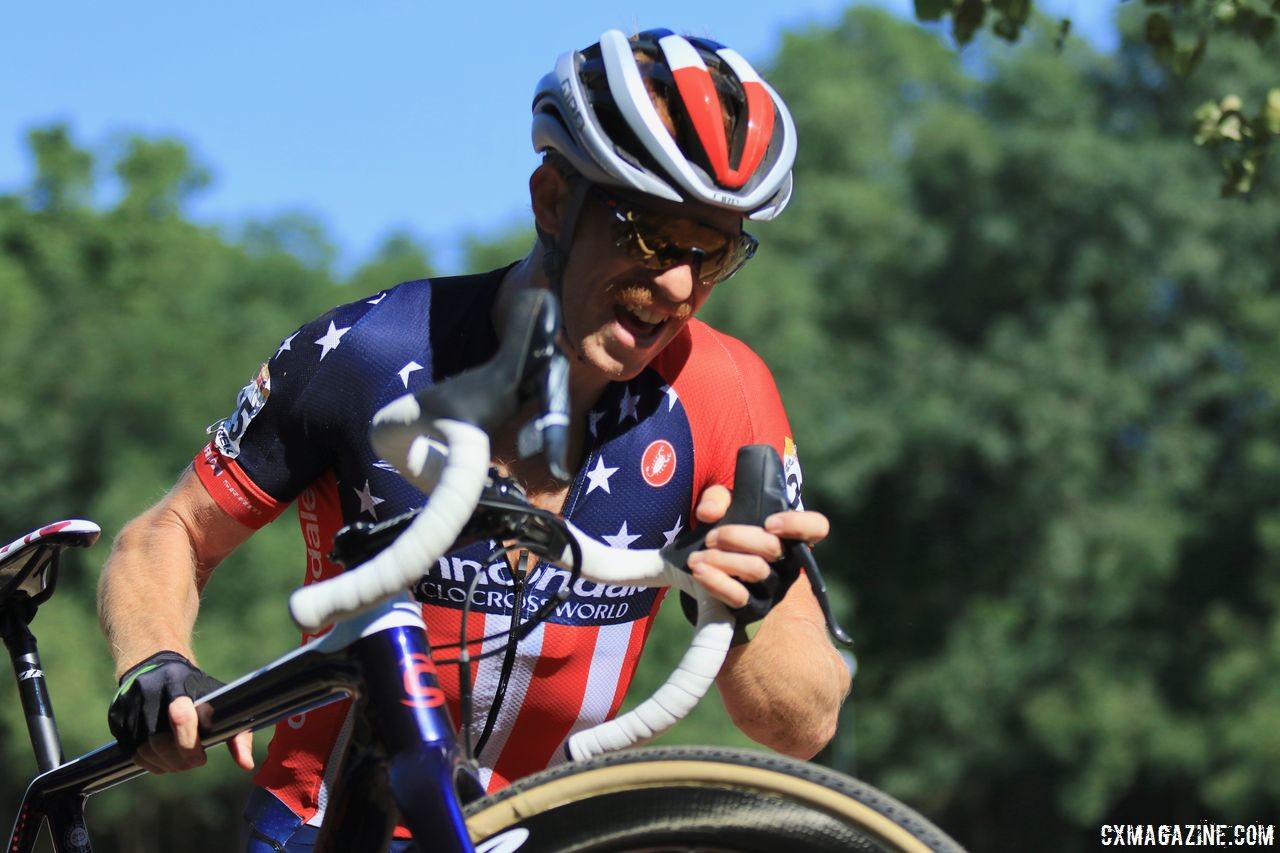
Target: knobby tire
{"x": 699, "y": 799}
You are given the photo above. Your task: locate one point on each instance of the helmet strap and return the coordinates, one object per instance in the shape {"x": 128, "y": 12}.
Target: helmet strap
{"x": 555, "y": 249}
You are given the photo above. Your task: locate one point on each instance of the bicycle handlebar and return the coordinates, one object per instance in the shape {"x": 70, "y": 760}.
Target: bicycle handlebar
{"x": 454, "y": 496}
{"x": 459, "y": 415}
{"x": 455, "y": 490}
{"x": 424, "y": 541}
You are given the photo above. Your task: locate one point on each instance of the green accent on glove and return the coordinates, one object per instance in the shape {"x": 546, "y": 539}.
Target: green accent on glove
{"x": 128, "y": 682}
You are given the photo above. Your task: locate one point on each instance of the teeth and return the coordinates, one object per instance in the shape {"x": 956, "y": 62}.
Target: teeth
{"x": 645, "y": 316}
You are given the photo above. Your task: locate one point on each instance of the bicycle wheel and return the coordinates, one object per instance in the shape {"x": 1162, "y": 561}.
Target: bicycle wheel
{"x": 696, "y": 798}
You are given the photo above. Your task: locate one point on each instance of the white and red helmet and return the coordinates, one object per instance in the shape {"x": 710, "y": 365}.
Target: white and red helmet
{"x": 594, "y": 110}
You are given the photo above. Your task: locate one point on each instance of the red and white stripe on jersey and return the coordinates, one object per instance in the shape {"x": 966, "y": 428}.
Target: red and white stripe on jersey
{"x": 530, "y": 733}
{"x": 554, "y": 689}
{"x": 567, "y": 677}
{"x": 702, "y": 103}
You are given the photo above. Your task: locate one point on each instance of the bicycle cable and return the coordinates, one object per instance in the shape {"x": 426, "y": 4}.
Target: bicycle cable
{"x": 464, "y": 669}
{"x": 518, "y": 574}
{"x": 518, "y": 631}
{"x": 575, "y": 574}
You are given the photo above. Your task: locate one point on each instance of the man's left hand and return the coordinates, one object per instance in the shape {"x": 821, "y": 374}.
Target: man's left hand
{"x": 740, "y": 553}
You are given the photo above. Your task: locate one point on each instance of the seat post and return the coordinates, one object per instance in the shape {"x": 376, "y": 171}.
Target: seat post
{"x": 32, "y": 687}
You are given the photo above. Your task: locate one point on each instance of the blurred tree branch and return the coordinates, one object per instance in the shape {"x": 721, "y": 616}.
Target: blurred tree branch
{"x": 1178, "y": 32}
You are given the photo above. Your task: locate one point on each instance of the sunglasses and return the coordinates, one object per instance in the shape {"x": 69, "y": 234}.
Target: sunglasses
{"x": 659, "y": 241}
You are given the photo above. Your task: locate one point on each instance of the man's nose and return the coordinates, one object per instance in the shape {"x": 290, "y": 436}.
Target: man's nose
{"x": 676, "y": 284}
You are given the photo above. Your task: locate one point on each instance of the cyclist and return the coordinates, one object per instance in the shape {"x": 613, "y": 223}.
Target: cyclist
{"x": 656, "y": 148}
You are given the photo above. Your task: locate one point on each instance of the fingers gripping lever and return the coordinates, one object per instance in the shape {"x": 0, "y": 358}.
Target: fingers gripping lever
{"x": 760, "y": 490}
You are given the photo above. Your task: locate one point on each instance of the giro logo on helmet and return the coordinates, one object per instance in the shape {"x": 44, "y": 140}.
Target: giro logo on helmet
{"x": 571, "y": 104}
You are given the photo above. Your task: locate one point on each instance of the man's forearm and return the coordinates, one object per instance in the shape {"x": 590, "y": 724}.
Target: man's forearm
{"x": 148, "y": 595}
{"x": 785, "y": 687}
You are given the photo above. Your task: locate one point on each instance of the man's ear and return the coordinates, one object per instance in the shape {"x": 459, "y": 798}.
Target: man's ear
{"x": 548, "y": 192}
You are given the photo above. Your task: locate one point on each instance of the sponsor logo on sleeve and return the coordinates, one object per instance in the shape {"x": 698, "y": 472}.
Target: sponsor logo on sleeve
{"x": 791, "y": 473}
{"x": 228, "y": 432}
{"x": 658, "y": 464}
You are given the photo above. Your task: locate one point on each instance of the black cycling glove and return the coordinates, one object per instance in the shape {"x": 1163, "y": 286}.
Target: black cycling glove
{"x": 141, "y": 705}
{"x": 763, "y": 595}
{"x": 760, "y": 491}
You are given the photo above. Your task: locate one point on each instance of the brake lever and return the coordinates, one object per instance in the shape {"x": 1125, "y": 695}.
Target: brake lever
{"x": 529, "y": 368}
{"x": 547, "y": 370}
{"x": 796, "y": 550}
{"x": 759, "y": 491}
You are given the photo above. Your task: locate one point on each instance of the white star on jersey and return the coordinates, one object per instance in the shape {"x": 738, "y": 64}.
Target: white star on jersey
{"x": 629, "y": 404}
{"x": 671, "y": 396}
{"x": 287, "y": 345}
{"x": 593, "y": 419}
{"x": 621, "y": 539}
{"x": 329, "y": 342}
{"x": 670, "y": 535}
{"x": 377, "y": 299}
{"x": 599, "y": 476}
{"x": 406, "y": 370}
{"x": 368, "y": 501}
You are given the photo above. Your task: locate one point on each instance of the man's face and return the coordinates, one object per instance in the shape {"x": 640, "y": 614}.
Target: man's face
{"x": 618, "y": 313}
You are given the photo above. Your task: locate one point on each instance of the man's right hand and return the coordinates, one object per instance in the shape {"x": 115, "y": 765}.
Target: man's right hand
{"x": 155, "y": 720}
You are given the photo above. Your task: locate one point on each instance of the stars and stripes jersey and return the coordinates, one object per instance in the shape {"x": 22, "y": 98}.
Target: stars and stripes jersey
{"x": 299, "y": 432}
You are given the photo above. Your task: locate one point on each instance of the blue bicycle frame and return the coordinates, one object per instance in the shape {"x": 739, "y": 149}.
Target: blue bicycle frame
{"x": 404, "y": 757}
{"x": 380, "y": 659}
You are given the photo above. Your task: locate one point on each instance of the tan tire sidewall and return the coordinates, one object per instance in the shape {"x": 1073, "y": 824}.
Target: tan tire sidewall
{"x": 685, "y": 772}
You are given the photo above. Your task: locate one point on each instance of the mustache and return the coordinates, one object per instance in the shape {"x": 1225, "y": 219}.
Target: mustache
{"x": 639, "y": 296}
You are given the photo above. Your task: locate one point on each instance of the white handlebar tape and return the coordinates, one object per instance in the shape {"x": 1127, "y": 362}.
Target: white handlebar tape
{"x": 692, "y": 677}
{"x": 422, "y": 543}
{"x": 402, "y": 439}
{"x": 620, "y": 567}
{"x": 671, "y": 702}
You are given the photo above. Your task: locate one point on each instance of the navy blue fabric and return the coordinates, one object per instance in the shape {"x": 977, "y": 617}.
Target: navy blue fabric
{"x": 422, "y": 332}
{"x": 270, "y": 827}
{"x": 633, "y": 488}
{"x": 329, "y": 377}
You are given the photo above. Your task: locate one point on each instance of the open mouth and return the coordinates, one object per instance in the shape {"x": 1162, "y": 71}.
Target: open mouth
{"x": 643, "y": 324}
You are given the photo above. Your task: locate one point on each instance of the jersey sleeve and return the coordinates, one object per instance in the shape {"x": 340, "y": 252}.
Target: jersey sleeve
{"x": 275, "y": 442}
{"x": 732, "y": 401}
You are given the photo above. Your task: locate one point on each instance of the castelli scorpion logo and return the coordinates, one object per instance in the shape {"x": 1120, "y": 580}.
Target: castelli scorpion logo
{"x": 658, "y": 465}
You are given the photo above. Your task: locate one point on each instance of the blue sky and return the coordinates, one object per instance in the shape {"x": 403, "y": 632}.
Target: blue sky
{"x": 382, "y": 115}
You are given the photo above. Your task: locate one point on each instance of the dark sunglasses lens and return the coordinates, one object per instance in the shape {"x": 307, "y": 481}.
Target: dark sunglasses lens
{"x": 723, "y": 264}
{"x": 660, "y": 242}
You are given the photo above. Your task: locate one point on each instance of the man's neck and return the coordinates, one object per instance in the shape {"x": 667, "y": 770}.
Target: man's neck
{"x": 585, "y": 384}
{"x": 585, "y": 389}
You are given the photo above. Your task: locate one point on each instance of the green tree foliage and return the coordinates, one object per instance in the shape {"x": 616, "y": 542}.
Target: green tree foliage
{"x": 490, "y": 251}
{"x": 126, "y": 329}
{"x": 399, "y": 258}
{"x": 1178, "y": 32}
{"x": 1032, "y": 373}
